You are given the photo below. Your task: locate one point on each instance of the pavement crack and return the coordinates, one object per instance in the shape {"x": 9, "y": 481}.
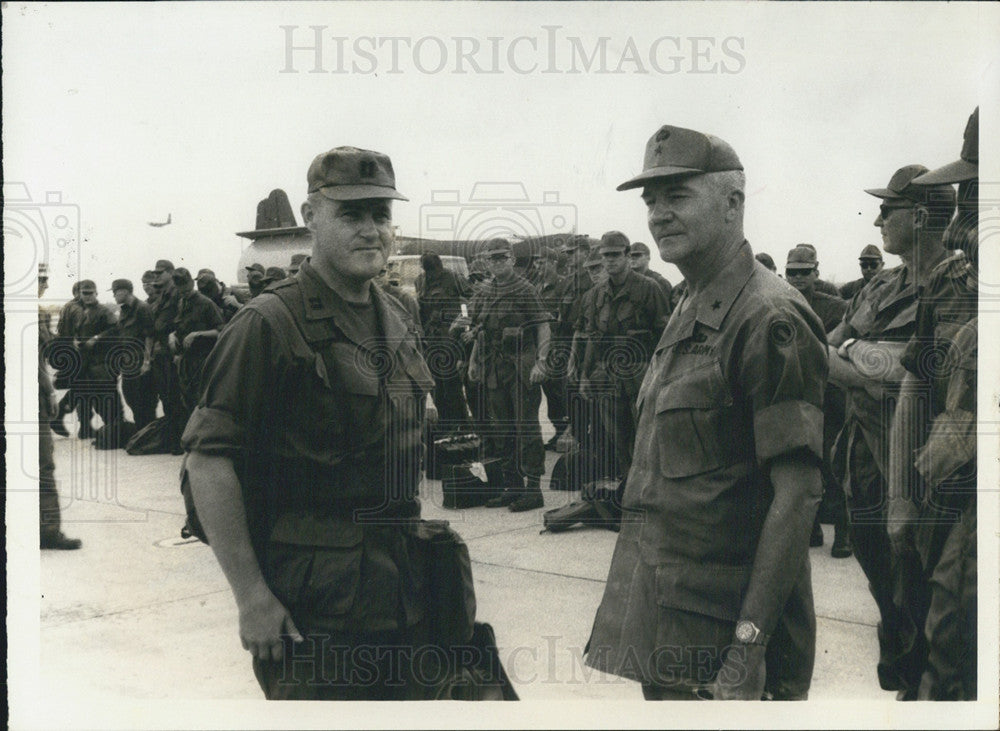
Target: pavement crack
{"x": 539, "y": 571}
{"x": 126, "y": 610}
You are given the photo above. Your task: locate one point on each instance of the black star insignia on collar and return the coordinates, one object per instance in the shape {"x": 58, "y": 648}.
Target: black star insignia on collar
{"x": 717, "y": 304}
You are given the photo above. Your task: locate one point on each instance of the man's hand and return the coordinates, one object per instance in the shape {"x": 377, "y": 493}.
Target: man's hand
{"x": 188, "y": 339}
{"x": 538, "y": 372}
{"x": 263, "y": 620}
{"x": 742, "y": 675}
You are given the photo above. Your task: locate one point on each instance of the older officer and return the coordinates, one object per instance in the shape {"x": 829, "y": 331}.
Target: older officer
{"x": 512, "y": 330}
{"x": 871, "y": 263}
{"x": 709, "y": 591}
{"x": 865, "y": 350}
{"x": 304, "y": 454}
{"x": 626, "y": 314}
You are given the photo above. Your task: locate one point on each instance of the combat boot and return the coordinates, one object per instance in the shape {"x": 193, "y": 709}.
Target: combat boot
{"x": 513, "y": 490}
{"x": 816, "y": 539}
{"x": 530, "y": 499}
{"x": 842, "y": 547}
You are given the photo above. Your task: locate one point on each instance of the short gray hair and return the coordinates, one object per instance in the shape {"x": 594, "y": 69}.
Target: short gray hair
{"x": 726, "y": 181}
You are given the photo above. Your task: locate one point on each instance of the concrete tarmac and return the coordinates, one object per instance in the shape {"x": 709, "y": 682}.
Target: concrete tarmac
{"x": 140, "y": 613}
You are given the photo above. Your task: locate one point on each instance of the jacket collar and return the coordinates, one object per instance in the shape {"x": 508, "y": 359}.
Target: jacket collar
{"x": 712, "y": 304}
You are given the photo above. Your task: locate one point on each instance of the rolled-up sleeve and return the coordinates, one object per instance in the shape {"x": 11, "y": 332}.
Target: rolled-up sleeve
{"x": 237, "y": 384}
{"x": 784, "y": 373}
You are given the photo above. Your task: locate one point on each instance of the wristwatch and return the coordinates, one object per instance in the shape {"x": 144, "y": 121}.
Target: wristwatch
{"x": 747, "y": 633}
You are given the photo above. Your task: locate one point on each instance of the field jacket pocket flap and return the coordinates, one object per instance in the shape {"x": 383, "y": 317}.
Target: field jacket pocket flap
{"x": 713, "y": 590}
{"x": 311, "y": 530}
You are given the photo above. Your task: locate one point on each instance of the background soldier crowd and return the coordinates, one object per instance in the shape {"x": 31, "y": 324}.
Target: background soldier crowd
{"x": 732, "y": 389}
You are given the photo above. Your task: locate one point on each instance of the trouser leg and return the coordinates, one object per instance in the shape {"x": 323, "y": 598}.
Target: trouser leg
{"x": 48, "y": 498}
{"x": 531, "y": 451}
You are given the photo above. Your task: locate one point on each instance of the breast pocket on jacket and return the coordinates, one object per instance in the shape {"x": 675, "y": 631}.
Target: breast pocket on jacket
{"x": 691, "y": 422}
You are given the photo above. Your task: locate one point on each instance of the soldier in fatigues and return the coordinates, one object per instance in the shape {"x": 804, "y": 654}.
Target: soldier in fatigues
{"x": 871, "y": 264}
{"x": 623, "y": 321}
{"x": 933, "y": 475}
{"x": 548, "y": 284}
{"x": 802, "y": 272}
{"x": 865, "y": 352}
{"x": 709, "y": 591}
{"x": 638, "y": 259}
{"x": 512, "y": 330}
{"x": 304, "y": 457}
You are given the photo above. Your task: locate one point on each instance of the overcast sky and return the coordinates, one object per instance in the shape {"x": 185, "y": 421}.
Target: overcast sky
{"x": 131, "y": 112}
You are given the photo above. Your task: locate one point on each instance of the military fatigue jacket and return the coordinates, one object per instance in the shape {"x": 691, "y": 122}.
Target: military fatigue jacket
{"x": 736, "y": 380}
{"x": 506, "y": 313}
{"x": 322, "y": 419}
{"x": 621, "y": 325}
{"x": 829, "y": 308}
{"x": 886, "y": 309}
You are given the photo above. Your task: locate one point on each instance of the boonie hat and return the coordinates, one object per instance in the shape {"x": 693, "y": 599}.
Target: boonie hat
{"x": 801, "y": 257}
{"x": 349, "y": 174}
{"x": 965, "y": 168}
{"x": 675, "y": 151}
{"x": 871, "y": 252}
{"x": 121, "y": 284}
{"x": 901, "y": 185}
{"x": 613, "y": 241}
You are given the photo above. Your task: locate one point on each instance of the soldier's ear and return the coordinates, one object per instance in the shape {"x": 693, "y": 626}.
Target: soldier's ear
{"x": 920, "y": 216}
{"x": 307, "y": 213}
{"x": 735, "y": 200}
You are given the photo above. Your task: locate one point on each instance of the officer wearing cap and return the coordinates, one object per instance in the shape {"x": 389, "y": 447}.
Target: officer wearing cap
{"x": 135, "y": 331}
{"x": 304, "y": 455}
{"x": 713, "y": 549}
{"x": 639, "y": 261}
{"x": 932, "y": 473}
{"x": 802, "y": 272}
{"x": 871, "y": 263}
{"x": 622, "y": 322}
{"x": 865, "y": 350}
{"x": 821, "y": 285}
{"x": 512, "y": 345}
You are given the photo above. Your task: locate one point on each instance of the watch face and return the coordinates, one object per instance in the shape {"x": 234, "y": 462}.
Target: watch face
{"x": 745, "y": 631}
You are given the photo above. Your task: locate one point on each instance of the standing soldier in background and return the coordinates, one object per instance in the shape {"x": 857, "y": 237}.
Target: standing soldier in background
{"x": 565, "y": 348}
{"x": 639, "y": 261}
{"x": 135, "y": 328}
{"x": 624, "y": 318}
{"x": 820, "y": 285}
{"x": 211, "y": 287}
{"x": 710, "y": 592}
{"x": 149, "y": 286}
{"x": 802, "y": 271}
{"x": 164, "y": 371}
{"x": 548, "y": 284}
{"x": 512, "y": 330}
{"x": 933, "y": 475}
{"x": 440, "y": 294}
{"x": 95, "y": 388}
{"x": 871, "y": 264}
{"x": 196, "y": 329}
{"x": 865, "y": 352}
{"x": 49, "y": 516}
{"x": 69, "y": 359}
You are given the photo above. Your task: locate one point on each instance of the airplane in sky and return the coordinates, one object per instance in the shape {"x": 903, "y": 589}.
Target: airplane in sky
{"x": 158, "y": 224}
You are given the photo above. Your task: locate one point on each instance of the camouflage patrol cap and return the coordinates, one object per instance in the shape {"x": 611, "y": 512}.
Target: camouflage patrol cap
{"x": 871, "y": 252}
{"x": 675, "y": 152}
{"x": 901, "y": 186}
{"x": 255, "y": 267}
{"x": 966, "y": 167}
{"x": 639, "y": 248}
{"x": 350, "y": 173}
{"x": 87, "y": 285}
{"x": 613, "y": 241}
